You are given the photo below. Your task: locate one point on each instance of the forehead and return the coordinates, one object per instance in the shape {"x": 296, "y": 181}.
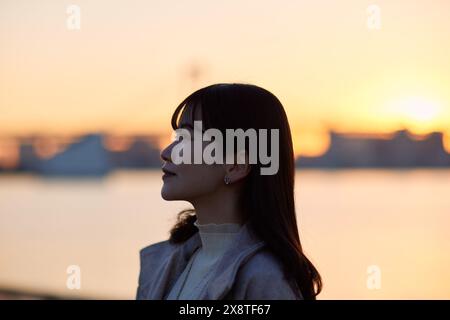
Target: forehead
{"x": 188, "y": 117}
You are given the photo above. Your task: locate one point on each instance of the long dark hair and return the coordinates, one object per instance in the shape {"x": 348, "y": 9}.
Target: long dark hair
{"x": 267, "y": 200}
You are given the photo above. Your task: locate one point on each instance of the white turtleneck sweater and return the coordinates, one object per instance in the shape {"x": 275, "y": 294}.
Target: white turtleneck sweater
{"x": 215, "y": 240}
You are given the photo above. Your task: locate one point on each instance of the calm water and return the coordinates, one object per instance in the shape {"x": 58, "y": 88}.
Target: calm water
{"x": 349, "y": 220}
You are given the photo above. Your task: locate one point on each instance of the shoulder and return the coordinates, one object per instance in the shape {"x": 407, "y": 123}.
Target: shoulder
{"x": 262, "y": 277}
{"x": 153, "y": 256}
{"x": 156, "y": 253}
{"x": 160, "y": 246}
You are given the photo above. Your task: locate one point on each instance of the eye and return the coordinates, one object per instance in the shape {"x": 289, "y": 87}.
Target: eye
{"x": 179, "y": 135}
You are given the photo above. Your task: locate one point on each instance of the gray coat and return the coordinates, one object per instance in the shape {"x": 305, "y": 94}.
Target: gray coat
{"x": 247, "y": 271}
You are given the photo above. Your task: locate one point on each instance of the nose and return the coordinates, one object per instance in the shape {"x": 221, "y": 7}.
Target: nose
{"x": 165, "y": 153}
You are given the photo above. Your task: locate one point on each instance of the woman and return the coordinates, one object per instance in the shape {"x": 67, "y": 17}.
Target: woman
{"x": 240, "y": 241}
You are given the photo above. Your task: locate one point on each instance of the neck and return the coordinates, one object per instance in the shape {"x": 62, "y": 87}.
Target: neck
{"x": 219, "y": 207}
{"x": 216, "y": 237}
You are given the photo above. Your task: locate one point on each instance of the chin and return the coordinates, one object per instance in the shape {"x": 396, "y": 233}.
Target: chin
{"x": 168, "y": 195}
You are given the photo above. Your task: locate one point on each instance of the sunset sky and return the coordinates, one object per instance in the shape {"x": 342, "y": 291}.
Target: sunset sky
{"x": 132, "y": 62}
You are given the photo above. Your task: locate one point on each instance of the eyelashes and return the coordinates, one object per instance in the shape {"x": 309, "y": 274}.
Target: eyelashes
{"x": 190, "y": 134}
{"x": 181, "y": 135}
{"x": 185, "y": 135}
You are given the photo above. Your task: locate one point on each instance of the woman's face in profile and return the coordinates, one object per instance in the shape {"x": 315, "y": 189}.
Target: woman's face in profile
{"x": 190, "y": 181}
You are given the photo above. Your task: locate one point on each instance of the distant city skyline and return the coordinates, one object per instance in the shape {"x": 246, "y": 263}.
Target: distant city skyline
{"x": 99, "y": 153}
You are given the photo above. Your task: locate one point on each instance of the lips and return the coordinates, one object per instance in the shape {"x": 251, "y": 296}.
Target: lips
{"x": 168, "y": 172}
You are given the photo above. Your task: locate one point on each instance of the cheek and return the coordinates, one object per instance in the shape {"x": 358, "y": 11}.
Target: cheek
{"x": 201, "y": 178}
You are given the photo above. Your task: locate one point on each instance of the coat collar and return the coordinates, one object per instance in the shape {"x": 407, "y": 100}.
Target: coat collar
{"x": 164, "y": 269}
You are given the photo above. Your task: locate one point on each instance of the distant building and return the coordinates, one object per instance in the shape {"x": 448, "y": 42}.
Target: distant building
{"x": 141, "y": 154}
{"x": 28, "y": 161}
{"x": 86, "y": 157}
{"x": 402, "y": 150}
{"x": 90, "y": 157}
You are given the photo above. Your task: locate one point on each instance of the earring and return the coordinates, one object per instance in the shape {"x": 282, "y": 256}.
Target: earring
{"x": 227, "y": 180}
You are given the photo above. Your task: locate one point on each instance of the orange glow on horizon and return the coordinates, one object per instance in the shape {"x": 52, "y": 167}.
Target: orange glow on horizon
{"x": 9, "y": 153}
{"x": 447, "y": 141}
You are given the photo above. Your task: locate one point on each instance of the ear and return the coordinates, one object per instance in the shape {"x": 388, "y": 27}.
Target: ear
{"x": 237, "y": 170}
